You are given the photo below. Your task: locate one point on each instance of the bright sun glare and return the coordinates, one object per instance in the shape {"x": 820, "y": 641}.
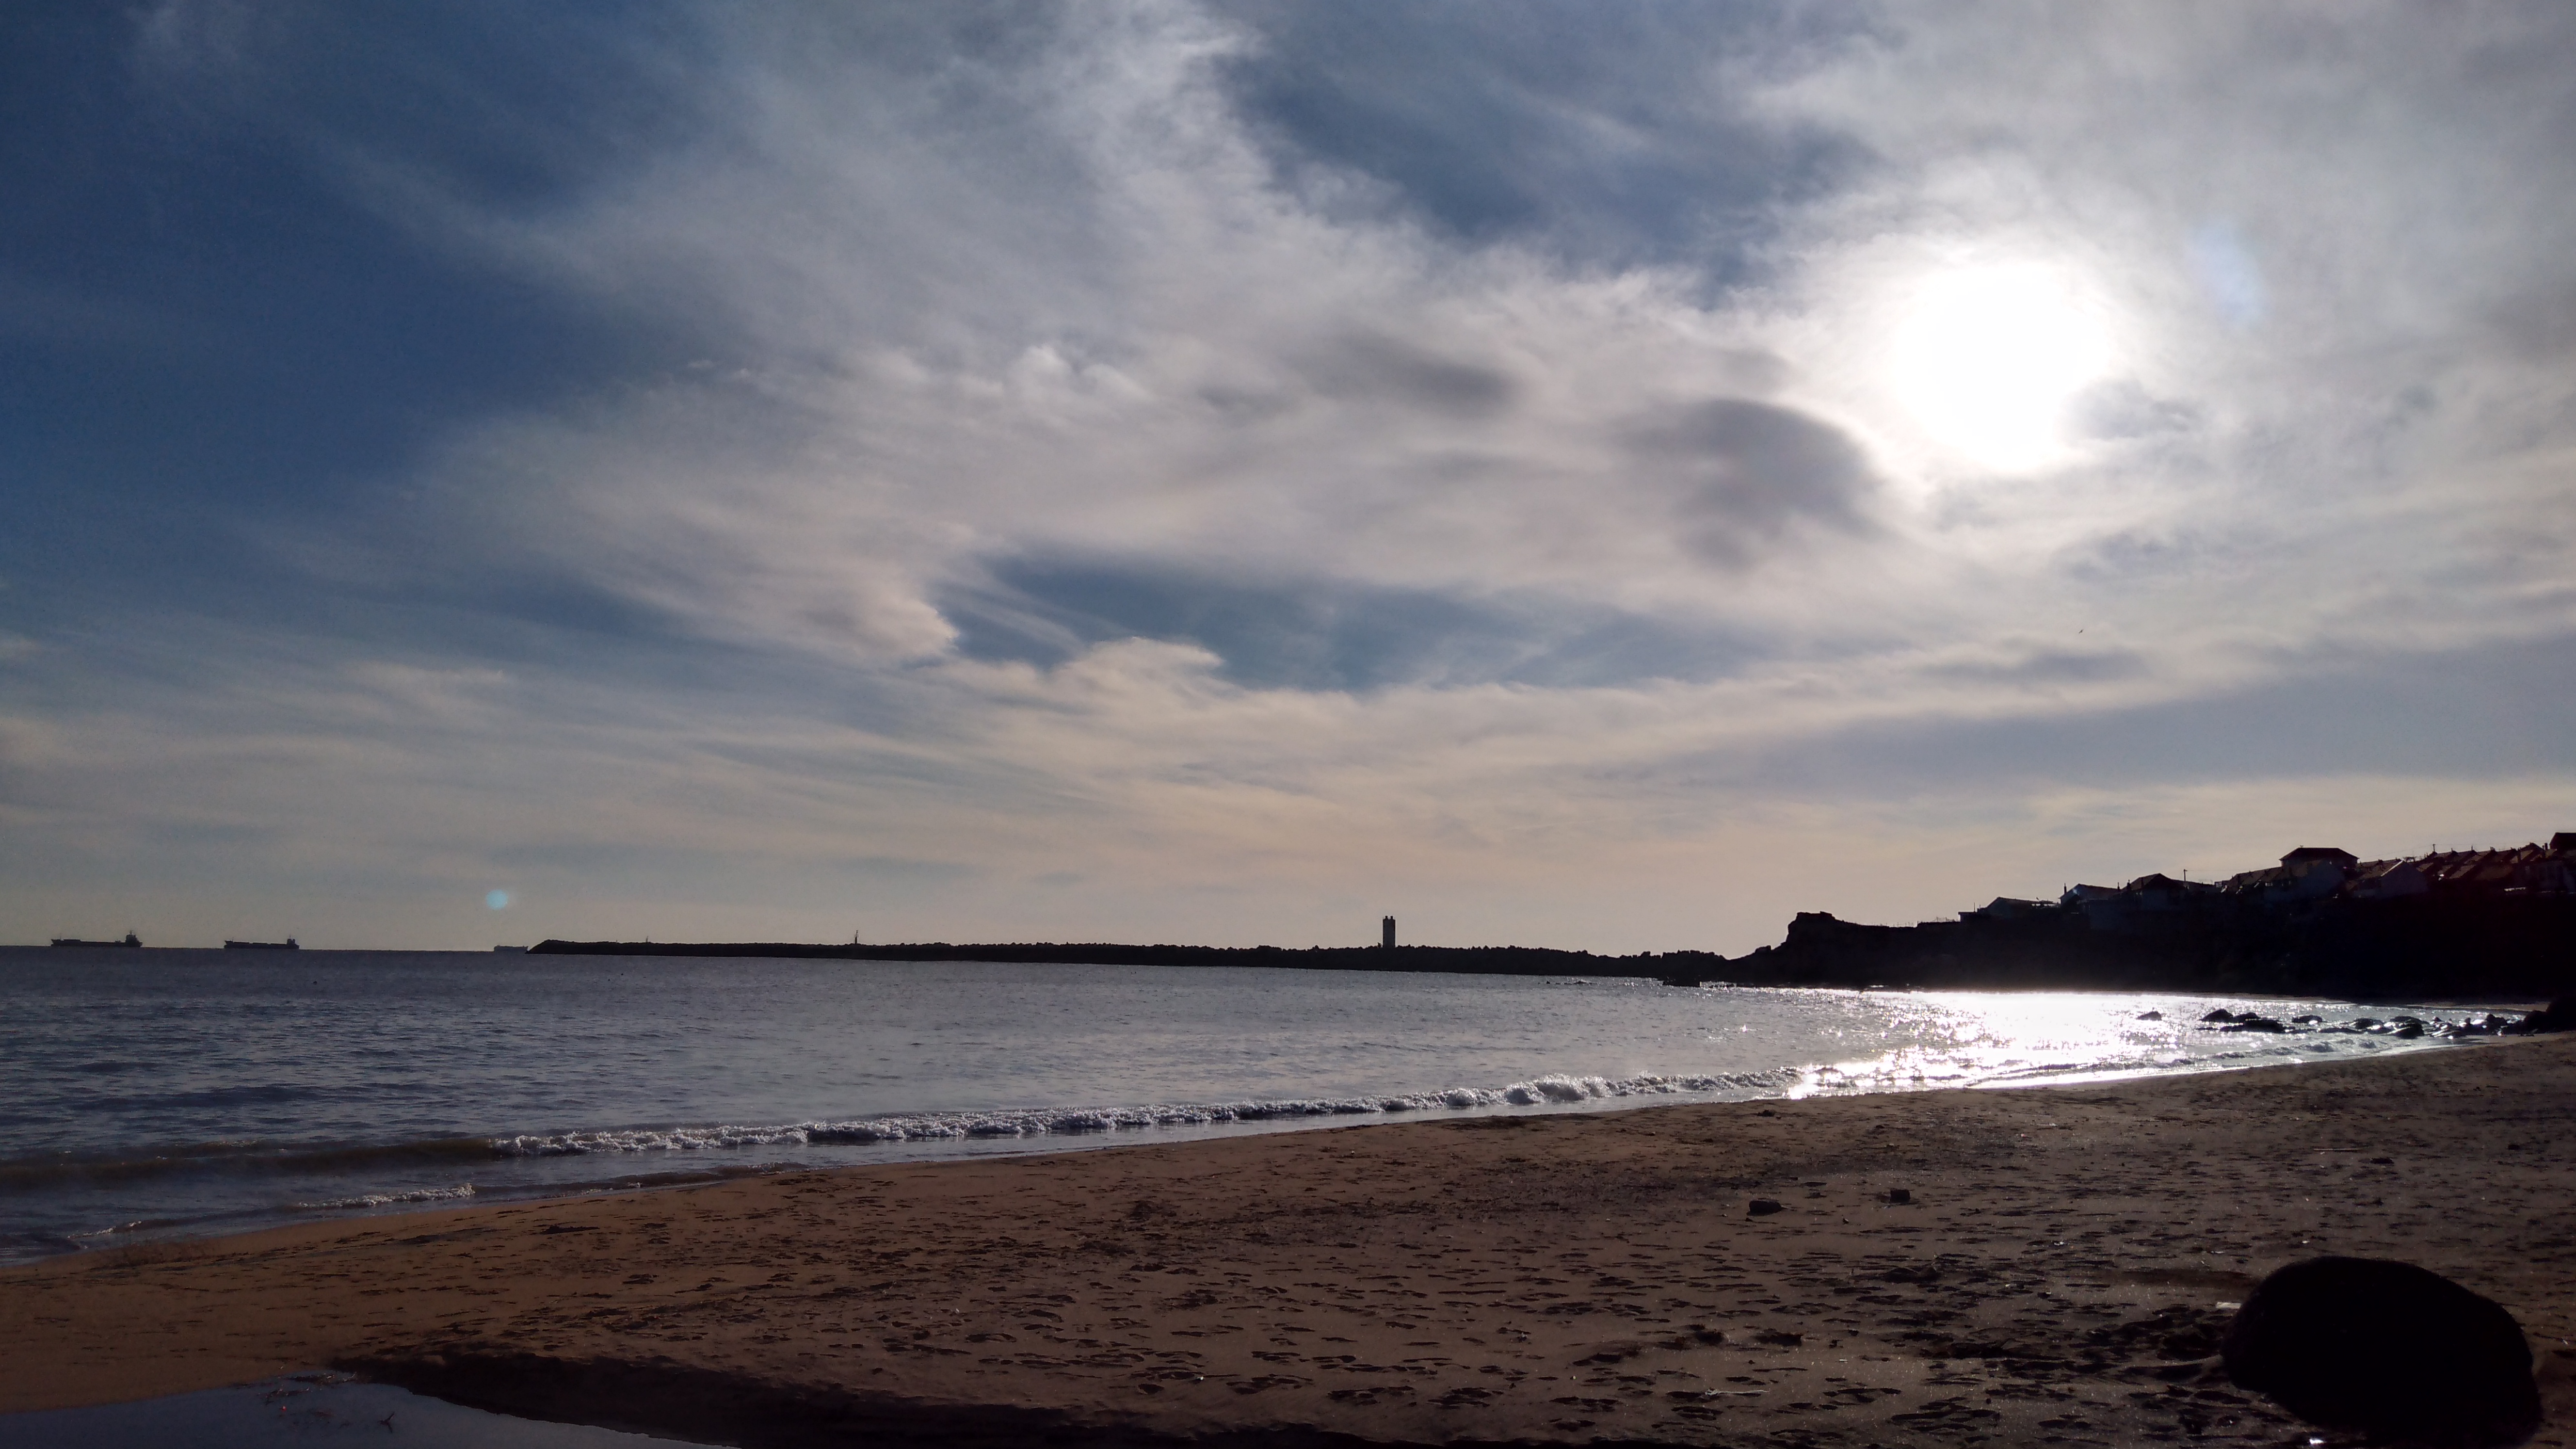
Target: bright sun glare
{"x": 1987, "y": 358}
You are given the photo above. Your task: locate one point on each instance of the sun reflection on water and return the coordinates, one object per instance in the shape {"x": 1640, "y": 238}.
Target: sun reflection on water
{"x": 2001, "y": 1039}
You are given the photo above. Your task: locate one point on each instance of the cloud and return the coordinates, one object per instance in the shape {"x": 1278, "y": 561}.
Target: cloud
{"x": 2047, "y": 666}
{"x": 1147, "y": 347}
{"x": 1615, "y": 139}
{"x": 2228, "y": 270}
{"x": 1746, "y": 471}
{"x": 1391, "y": 369}
{"x": 1303, "y": 398}
{"x": 1305, "y": 633}
{"x": 1186, "y": 448}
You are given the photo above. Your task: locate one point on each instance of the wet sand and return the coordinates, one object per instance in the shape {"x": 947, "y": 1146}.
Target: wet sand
{"x": 2057, "y": 1276}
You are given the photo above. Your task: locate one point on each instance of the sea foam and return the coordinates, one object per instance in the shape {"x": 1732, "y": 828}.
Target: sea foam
{"x": 392, "y": 1199}
{"x": 1552, "y": 1090}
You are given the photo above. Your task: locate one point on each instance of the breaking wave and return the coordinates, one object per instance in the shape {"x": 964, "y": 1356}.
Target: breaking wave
{"x": 1553, "y": 1090}
{"x": 392, "y": 1199}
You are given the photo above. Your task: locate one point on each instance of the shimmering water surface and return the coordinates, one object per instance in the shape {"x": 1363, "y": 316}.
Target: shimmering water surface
{"x": 164, "y": 1093}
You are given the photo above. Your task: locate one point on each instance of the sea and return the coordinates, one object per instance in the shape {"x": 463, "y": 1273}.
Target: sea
{"x": 156, "y": 1094}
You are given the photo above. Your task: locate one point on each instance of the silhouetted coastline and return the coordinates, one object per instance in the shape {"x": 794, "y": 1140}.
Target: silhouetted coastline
{"x": 2446, "y": 925}
{"x": 1467, "y": 960}
{"x": 2481, "y": 924}
{"x": 2468, "y": 949}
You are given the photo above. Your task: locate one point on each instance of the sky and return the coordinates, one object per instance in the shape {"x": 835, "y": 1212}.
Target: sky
{"x": 1564, "y": 474}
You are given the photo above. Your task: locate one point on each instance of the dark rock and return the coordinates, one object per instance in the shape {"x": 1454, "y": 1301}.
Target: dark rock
{"x": 2221, "y": 1014}
{"x": 2406, "y": 1028}
{"x": 1899, "y": 1196}
{"x": 1761, "y": 1207}
{"x": 2308, "y": 1020}
{"x": 2250, "y": 1022}
{"x": 2151, "y": 1016}
{"x": 2386, "y": 1348}
{"x": 2560, "y": 1016}
{"x": 2365, "y": 1023}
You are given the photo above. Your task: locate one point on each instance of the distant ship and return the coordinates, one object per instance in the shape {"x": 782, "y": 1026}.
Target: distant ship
{"x": 129, "y": 940}
{"x": 286, "y": 945}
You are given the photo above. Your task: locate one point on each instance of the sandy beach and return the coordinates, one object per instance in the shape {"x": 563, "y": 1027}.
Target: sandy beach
{"x": 2056, "y": 1270}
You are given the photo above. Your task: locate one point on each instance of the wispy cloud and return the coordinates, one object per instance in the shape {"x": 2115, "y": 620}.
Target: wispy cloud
{"x": 1142, "y": 443}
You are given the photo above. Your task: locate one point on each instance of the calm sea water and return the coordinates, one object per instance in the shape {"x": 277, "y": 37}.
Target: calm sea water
{"x": 178, "y": 1093}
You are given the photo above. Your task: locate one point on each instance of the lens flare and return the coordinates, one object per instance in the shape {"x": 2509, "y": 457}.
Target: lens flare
{"x": 496, "y": 899}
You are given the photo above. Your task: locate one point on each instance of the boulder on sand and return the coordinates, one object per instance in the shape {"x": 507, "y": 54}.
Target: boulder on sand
{"x": 2560, "y": 1016}
{"x": 2395, "y": 1351}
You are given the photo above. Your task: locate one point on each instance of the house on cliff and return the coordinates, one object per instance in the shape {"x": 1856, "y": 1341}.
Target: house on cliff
{"x": 2318, "y": 870}
{"x": 2386, "y": 880}
{"x": 2160, "y": 893}
{"x": 2314, "y": 873}
{"x": 2526, "y": 870}
{"x": 2008, "y": 908}
{"x": 2099, "y": 907}
{"x": 2154, "y": 902}
{"x": 2320, "y": 922}
{"x": 2309, "y": 873}
{"x": 2306, "y": 881}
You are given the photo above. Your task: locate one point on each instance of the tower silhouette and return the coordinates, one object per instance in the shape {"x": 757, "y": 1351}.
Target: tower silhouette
{"x": 1387, "y": 928}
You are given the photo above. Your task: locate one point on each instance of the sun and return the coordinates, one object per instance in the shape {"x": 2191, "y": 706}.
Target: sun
{"x": 1987, "y": 358}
